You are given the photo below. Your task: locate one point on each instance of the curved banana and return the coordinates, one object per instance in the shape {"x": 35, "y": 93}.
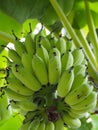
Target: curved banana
{"x": 61, "y": 45}
{"x": 79, "y": 80}
{"x": 71, "y": 122}
{"x": 50, "y": 126}
{"x": 25, "y": 126}
{"x": 15, "y": 85}
{"x": 78, "y": 56}
{"x": 75, "y": 114}
{"x": 79, "y": 94}
{"x": 19, "y": 47}
{"x": 15, "y": 96}
{"x": 67, "y": 60}
{"x": 70, "y": 46}
{"x": 42, "y": 52}
{"x": 26, "y": 77}
{"x": 65, "y": 83}
{"x": 12, "y": 54}
{"x": 30, "y": 45}
{"x": 41, "y": 126}
{"x": 27, "y": 61}
{"x": 34, "y": 124}
{"x": 45, "y": 42}
{"x": 26, "y": 105}
{"x": 40, "y": 69}
{"x": 80, "y": 69}
{"x": 54, "y": 67}
{"x": 86, "y": 103}
{"x": 5, "y": 111}
{"x": 59, "y": 124}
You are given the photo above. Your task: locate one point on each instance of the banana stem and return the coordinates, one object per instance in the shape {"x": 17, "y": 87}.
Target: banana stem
{"x": 6, "y": 37}
{"x": 92, "y": 30}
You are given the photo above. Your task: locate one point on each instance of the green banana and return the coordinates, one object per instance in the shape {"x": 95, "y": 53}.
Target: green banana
{"x": 45, "y": 42}
{"x": 41, "y": 126}
{"x": 19, "y": 47}
{"x": 61, "y": 45}
{"x": 80, "y": 69}
{"x": 67, "y": 60}
{"x": 15, "y": 96}
{"x": 65, "y": 83}
{"x": 70, "y": 46}
{"x": 79, "y": 80}
{"x": 26, "y": 105}
{"x": 40, "y": 69}
{"x": 74, "y": 114}
{"x": 15, "y": 85}
{"x": 78, "y": 56}
{"x": 27, "y": 61}
{"x": 30, "y": 45}
{"x": 50, "y": 126}
{"x": 42, "y": 52}
{"x": 25, "y": 77}
{"x": 12, "y": 54}
{"x": 54, "y": 67}
{"x": 5, "y": 112}
{"x": 86, "y": 103}
{"x": 13, "y": 105}
{"x": 79, "y": 94}
{"x": 34, "y": 124}
{"x": 25, "y": 126}
{"x": 59, "y": 124}
{"x": 71, "y": 122}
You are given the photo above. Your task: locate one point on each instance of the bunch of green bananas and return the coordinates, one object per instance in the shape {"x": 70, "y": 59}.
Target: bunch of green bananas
{"x": 47, "y": 80}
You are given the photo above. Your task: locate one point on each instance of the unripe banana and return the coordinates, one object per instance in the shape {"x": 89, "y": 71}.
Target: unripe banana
{"x": 92, "y": 97}
{"x": 59, "y": 124}
{"x": 15, "y": 85}
{"x": 79, "y": 94}
{"x": 80, "y": 69}
{"x": 54, "y": 68}
{"x": 19, "y": 47}
{"x": 61, "y": 45}
{"x": 12, "y": 54}
{"x": 78, "y": 56}
{"x": 43, "y": 53}
{"x": 15, "y": 96}
{"x": 41, "y": 126}
{"x": 70, "y": 46}
{"x": 30, "y": 45}
{"x": 78, "y": 81}
{"x": 34, "y": 124}
{"x": 45, "y": 42}
{"x": 40, "y": 69}
{"x": 75, "y": 114}
{"x": 65, "y": 83}
{"x": 74, "y": 123}
{"x": 25, "y": 77}
{"x": 27, "y": 61}
{"x": 25, "y": 126}
{"x": 50, "y": 126}
{"x": 27, "y": 105}
{"x": 67, "y": 60}
{"x": 5, "y": 112}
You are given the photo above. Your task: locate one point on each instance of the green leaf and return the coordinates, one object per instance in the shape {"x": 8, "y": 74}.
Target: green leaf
{"x": 13, "y": 123}
{"x": 78, "y": 18}
{"x": 7, "y": 24}
{"x": 22, "y": 10}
